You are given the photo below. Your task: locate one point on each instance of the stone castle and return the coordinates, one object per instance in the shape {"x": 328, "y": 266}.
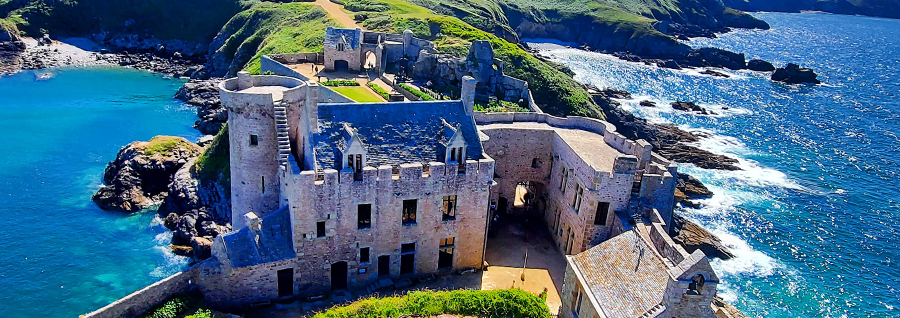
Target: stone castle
{"x": 329, "y": 195}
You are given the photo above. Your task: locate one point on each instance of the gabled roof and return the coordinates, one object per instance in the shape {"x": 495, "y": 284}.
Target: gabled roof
{"x": 624, "y": 274}
{"x": 275, "y": 242}
{"x": 350, "y": 37}
{"x": 447, "y": 133}
{"x": 393, "y": 133}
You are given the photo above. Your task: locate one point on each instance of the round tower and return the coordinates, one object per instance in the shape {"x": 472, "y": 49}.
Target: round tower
{"x": 258, "y": 140}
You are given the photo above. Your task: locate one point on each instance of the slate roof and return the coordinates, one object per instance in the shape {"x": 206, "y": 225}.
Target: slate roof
{"x": 624, "y": 274}
{"x": 275, "y": 242}
{"x": 393, "y": 133}
{"x": 338, "y": 35}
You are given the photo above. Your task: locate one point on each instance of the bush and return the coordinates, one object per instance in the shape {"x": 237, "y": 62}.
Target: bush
{"x": 500, "y": 107}
{"x": 416, "y": 92}
{"x": 513, "y": 303}
{"x": 384, "y": 94}
{"x": 214, "y": 165}
{"x": 172, "y": 308}
{"x": 334, "y": 83}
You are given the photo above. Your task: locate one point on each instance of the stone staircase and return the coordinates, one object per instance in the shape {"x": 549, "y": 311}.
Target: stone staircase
{"x": 281, "y": 131}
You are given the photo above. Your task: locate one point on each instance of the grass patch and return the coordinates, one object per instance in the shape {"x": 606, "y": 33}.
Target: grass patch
{"x": 214, "y": 164}
{"x": 511, "y": 303}
{"x": 358, "y": 93}
{"x": 334, "y": 83}
{"x": 9, "y": 26}
{"x": 270, "y": 28}
{"x": 380, "y": 91}
{"x": 415, "y": 91}
{"x": 165, "y": 144}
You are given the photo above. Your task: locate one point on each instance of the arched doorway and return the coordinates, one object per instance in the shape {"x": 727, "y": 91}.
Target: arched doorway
{"x": 339, "y": 276}
{"x": 371, "y": 61}
{"x": 341, "y": 65}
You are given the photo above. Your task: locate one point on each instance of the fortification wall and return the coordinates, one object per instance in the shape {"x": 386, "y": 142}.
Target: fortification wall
{"x": 335, "y": 200}
{"x": 326, "y": 95}
{"x": 140, "y": 301}
{"x": 227, "y": 287}
{"x": 572, "y": 287}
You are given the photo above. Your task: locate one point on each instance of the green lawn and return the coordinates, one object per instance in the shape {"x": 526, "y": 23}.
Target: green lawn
{"x": 360, "y": 94}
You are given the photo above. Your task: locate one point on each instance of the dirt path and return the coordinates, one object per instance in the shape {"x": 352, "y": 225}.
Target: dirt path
{"x": 335, "y": 11}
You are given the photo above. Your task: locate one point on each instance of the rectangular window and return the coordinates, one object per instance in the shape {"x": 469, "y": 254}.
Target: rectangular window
{"x": 320, "y": 229}
{"x": 576, "y": 302}
{"x": 409, "y": 211}
{"x": 563, "y": 179}
{"x": 262, "y": 183}
{"x": 340, "y": 46}
{"x": 254, "y": 140}
{"x": 602, "y": 211}
{"x": 459, "y": 155}
{"x": 579, "y": 192}
{"x": 364, "y": 216}
{"x": 447, "y": 242}
{"x": 452, "y": 154}
{"x": 364, "y": 255}
{"x": 449, "y": 208}
{"x": 407, "y": 248}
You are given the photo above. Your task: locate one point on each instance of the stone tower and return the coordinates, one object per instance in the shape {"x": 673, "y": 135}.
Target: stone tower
{"x": 258, "y": 139}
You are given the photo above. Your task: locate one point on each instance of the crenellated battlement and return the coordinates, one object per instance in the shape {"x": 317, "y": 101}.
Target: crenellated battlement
{"x": 260, "y": 90}
{"x": 473, "y": 171}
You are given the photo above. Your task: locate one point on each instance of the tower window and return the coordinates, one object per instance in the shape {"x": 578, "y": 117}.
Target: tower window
{"x": 262, "y": 183}
{"x": 364, "y": 216}
{"x": 364, "y": 255}
{"x": 535, "y": 164}
{"x": 320, "y": 229}
{"x": 449, "y": 208}
{"x": 579, "y": 192}
{"x": 409, "y": 212}
{"x": 254, "y": 140}
{"x": 563, "y": 179}
{"x": 602, "y": 211}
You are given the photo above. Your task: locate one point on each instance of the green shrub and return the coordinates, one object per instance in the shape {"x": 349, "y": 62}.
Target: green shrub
{"x": 171, "y": 308}
{"x": 416, "y": 92}
{"x": 501, "y": 106}
{"x": 214, "y": 165}
{"x": 201, "y": 313}
{"x": 384, "y": 94}
{"x": 340, "y": 83}
{"x": 511, "y": 303}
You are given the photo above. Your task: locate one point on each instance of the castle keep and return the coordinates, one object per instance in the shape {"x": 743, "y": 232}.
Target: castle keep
{"x": 330, "y": 195}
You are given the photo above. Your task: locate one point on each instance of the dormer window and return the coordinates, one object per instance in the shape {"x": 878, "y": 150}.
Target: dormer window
{"x": 340, "y": 46}
{"x": 354, "y": 152}
{"x": 456, "y": 155}
{"x": 455, "y": 145}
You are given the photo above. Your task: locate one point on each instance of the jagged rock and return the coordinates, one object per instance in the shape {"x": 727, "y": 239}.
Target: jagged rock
{"x": 11, "y": 49}
{"x": 693, "y": 237}
{"x": 205, "y": 95}
{"x": 647, "y": 103}
{"x": 691, "y": 187}
{"x": 714, "y": 57}
{"x": 683, "y": 153}
{"x": 182, "y": 250}
{"x": 202, "y": 247}
{"x": 141, "y": 172}
{"x": 688, "y": 107}
{"x": 794, "y": 74}
{"x": 670, "y": 64}
{"x": 715, "y": 73}
{"x": 195, "y": 207}
{"x": 760, "y": 66}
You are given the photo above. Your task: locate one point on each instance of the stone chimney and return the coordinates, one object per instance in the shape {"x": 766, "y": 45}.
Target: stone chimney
{"x": 245, "y": 81}
{"x": 254, "y": 224}
{"x": 468, "y": 94}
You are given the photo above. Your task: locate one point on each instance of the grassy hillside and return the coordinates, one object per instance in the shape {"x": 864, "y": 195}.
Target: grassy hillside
{"x": 511, "y": 303}
{"x": 268, "y": 28}
{"x": 193, "y": 20}
{"x": 551, "y": 87}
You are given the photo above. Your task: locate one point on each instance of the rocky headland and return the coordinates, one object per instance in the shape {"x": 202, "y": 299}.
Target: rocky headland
{"x": 139, "y": 176}
{"x": 204, "y": 95}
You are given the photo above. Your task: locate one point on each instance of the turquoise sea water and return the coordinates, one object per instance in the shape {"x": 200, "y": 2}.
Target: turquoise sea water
{"x": 61, "y": 255}
{"x": 814, "y": 215}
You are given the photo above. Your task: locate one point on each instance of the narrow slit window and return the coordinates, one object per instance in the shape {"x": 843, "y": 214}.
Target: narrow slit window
{"x": 262, "y": 183}
{"x": 254, "y": 140}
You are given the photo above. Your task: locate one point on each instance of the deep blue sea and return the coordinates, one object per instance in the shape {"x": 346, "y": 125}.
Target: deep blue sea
{"x": 814, "y": 215}
{"x": 61, "y": 255}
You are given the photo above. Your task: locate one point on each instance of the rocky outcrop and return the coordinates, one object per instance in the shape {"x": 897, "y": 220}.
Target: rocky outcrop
{"x": 194, "y": 208}
{"x": 11, "y": 48}
{"x": 691, "y": 107}
{"x": 139, "y": 176}
{"x": 760, "y": 66}
{"x": 205, "y": 96}
{"x": 693, "y": 237}
{"x": 691, "y": 187}
{"x": 794, "y": 74}
{"x": 668, "y": 140}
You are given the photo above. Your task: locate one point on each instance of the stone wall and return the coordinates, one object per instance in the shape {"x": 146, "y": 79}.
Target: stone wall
{"x": 351, "y": 55}
{"x": 570, "y": 290}
{"x": 140, "y": 301}
{"x": 326, "y": 95}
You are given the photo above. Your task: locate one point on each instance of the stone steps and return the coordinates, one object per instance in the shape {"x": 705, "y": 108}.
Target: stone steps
{"x": 281, "y": 131}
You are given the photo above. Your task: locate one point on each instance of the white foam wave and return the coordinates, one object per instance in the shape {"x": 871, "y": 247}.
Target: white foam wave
{"x": 663, "y": 110}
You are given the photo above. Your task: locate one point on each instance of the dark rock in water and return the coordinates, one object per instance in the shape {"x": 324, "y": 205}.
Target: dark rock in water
{"x": 794, "y": 74}
{"x": 760, "y": 66}
{"x": 670, "y": 64}
{"x": 713, "y": 57}
{"x": 647, "y": 103}
{"x": 715, "y": 73}
{"x": 140, "y": 174}
{"x": 680, "y": 152}
{"x": 615, "y": 93}
{"x": 691, "y": 187}
{"x": 205, "y": 95}
{"x": 686, "y": 106}
{"x": 691, "y": 204}
{"x": 693, "y": 237}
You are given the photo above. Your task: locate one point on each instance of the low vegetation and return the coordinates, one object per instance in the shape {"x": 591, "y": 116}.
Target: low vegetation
{"x": 164, "y": 145}
{"x": 172, "y": 308}
{"x": 415, "y": 91}
{"x": 500, "y": 107}
{"x": 509, "y": 303}
{"x": 270, "y": 28}
{"x": 381, "y": 91}
{"x": 213, "y": 165}
{"x": 340, "y": 83}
